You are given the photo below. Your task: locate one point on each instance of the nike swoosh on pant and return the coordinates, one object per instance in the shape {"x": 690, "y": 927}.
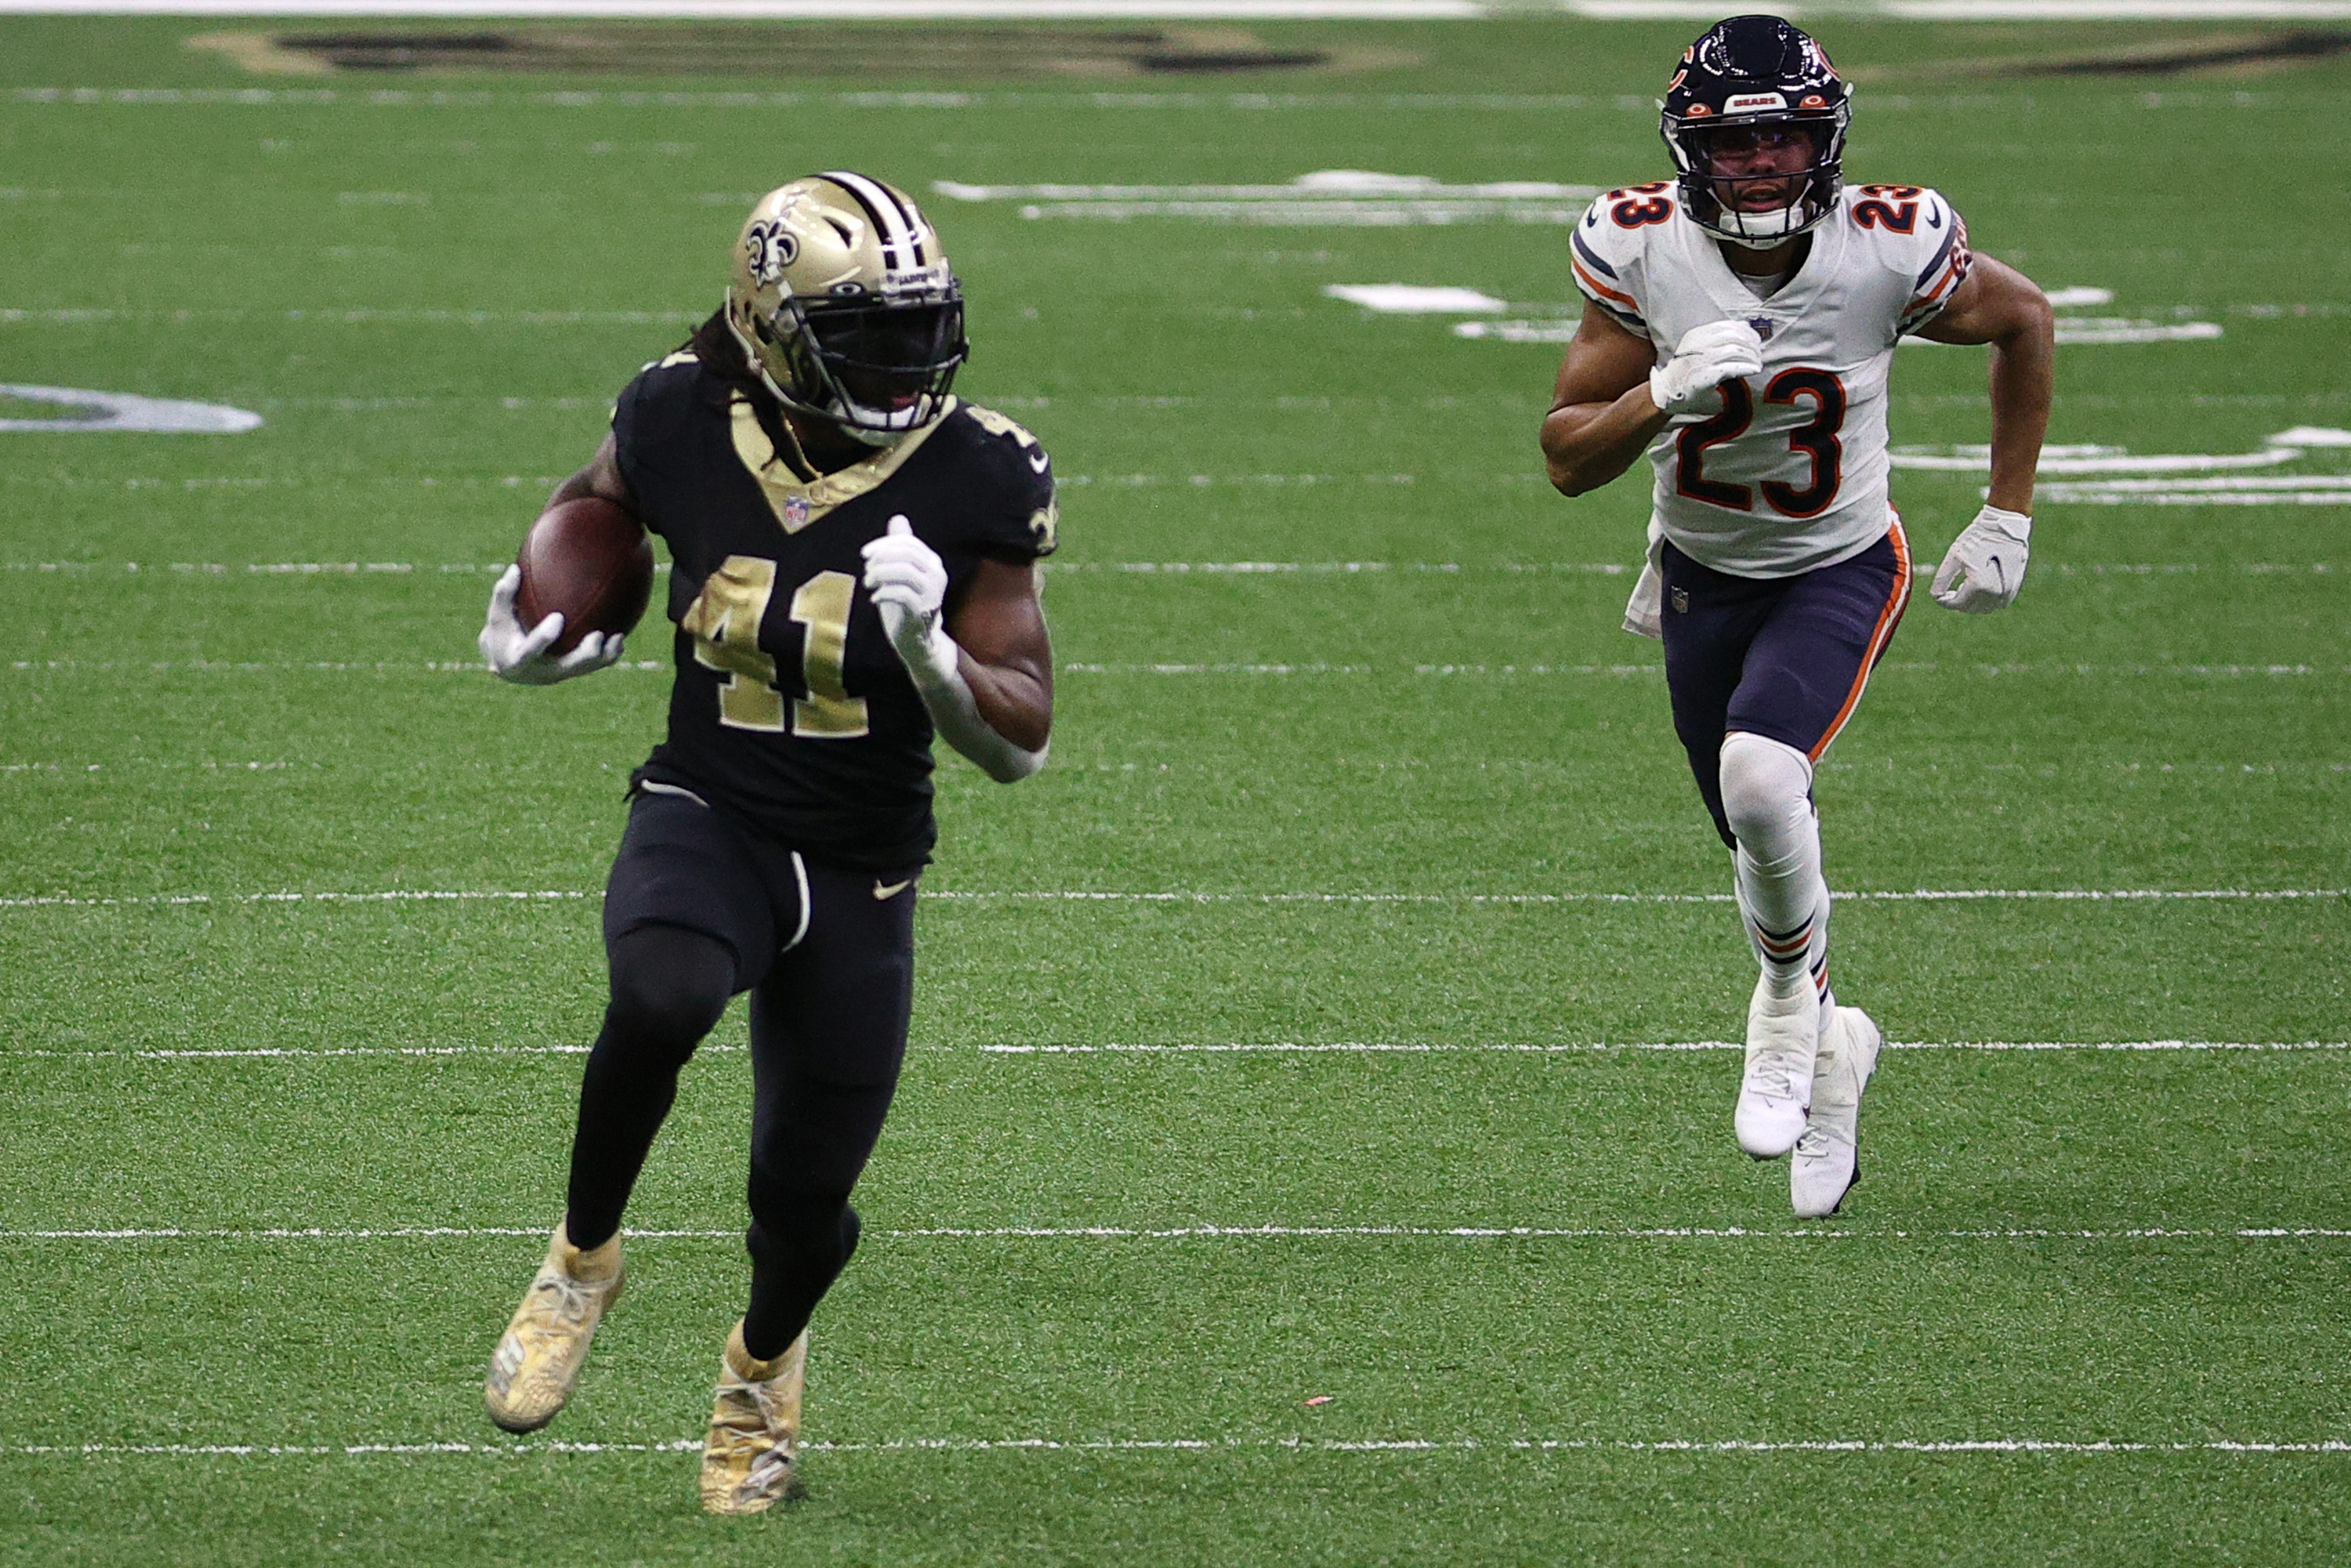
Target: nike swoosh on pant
{"x": 893, "y": 889}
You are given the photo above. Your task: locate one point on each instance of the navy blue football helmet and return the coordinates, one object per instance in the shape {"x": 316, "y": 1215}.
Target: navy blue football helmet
{"x": 1749, "y": 79}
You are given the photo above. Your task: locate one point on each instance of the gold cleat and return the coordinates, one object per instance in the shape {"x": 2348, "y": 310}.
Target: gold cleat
{"x": 535, "y": 1365}
{"x": 751, "y": 1457}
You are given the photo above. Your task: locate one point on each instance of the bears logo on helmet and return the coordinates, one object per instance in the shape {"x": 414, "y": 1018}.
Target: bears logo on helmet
{"x": 1742, "y": 78}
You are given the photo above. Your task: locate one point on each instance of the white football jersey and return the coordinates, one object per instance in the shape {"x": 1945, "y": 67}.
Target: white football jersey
{"x": 1784, "y": 472}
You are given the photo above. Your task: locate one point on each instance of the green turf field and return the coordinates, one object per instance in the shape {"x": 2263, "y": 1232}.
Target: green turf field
{"x": 1408, "y": 786}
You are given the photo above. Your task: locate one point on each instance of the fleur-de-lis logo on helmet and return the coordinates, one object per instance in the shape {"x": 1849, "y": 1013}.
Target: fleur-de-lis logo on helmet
{"x": 846, "y": 308}
{"x": 769, "y": 247}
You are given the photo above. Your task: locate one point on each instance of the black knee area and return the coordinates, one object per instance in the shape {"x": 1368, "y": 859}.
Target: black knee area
{"x": 669, "y": 986}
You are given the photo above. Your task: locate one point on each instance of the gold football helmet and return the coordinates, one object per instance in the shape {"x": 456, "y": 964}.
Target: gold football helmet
{"x": 845, "y": 304}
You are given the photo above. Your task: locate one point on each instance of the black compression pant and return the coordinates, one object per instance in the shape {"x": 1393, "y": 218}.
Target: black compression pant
{"x": 697, "y": 911}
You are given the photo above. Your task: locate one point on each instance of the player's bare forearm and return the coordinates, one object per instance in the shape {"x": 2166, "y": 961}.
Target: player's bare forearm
{"x": 1587, "y": 445}
{"x": 2022, "y": 377}
{"x": 601, "y": 478}
{"x": 2000, "y": 306}
{"x": 1601, "y": 417}
{"x": 1008, "y": 658}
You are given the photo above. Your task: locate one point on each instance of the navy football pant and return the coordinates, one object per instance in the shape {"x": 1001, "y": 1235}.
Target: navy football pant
{"x": 698, "y": 910}
{"x": 1786, "y": 658}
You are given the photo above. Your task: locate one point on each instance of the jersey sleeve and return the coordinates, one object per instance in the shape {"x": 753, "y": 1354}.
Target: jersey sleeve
{"x": 645, "y": 423}
{"x": 1936, "y": 254}
{"x": 1607, "y": 251}
{"x": 1015, "y": 518}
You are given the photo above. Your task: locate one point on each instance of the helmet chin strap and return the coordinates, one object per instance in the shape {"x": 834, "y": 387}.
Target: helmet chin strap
{"x": 1786, "y": 222}
{"x": 868, "y": 436}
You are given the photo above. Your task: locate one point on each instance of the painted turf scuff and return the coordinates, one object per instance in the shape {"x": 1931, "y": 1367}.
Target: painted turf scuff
{"x": 123, "y": 413}
{"x": 2168, "y": 479}
{"x": 1355, "y": 198}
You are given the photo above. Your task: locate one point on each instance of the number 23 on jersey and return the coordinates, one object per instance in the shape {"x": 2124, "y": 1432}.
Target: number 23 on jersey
{"x": 724, "y": 622}
{"x": 1815, "y": 439}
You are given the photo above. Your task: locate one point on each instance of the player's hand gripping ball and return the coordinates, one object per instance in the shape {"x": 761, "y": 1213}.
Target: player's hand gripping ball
{"x": 1708, "y": 355}
{"x": 563, "y": 609}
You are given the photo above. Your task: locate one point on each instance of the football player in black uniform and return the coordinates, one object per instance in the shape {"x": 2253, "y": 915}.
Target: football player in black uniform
{"x": 853, "y": 571}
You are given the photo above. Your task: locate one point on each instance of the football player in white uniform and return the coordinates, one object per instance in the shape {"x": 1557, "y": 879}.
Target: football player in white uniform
{"x": 1739, "y": 322}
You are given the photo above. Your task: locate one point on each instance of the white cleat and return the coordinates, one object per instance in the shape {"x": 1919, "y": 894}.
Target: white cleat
{"x": 1828, "y": 1158}
{"x": 1783, "y": 1035}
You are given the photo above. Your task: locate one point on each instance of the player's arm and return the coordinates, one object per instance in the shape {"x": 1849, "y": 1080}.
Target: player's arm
{"x": 1613, "y": 397}
{"x": 1007, "y": 660}
{"x": 1601, "y": 417}
{"x": 2000, "y": 306}
{"x": 984, "y": 670}
{"x": 601, "y": 478}
{"x": 519, "y": 653}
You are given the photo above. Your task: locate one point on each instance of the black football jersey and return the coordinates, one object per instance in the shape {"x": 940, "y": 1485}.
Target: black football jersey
{"x": 791, "y": 710}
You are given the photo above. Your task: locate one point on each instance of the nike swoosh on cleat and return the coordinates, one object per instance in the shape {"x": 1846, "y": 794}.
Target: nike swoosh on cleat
{"x": 1038, "y": 461}
{"x": 893, "y": 889}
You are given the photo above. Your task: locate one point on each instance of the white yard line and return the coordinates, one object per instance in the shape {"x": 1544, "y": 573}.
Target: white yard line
{"x": 397, "y": 895}
{"x": 1085, "y": 667}
{"x": 739, "y": 100}
{"x": 1226, "y": 1233}
{"x": 1279, "y": 1048}
{"x": 345, "y": 570}
{"x": 350, "y": 316}
{"x": 268, "y": 1052}
{"x": 782, "y": 10}
{"x": 2046, "y": 769}
{"x": 291, "y": 667}
{"x": 1665, "y": 1445}
{"x": 1138, "y": 667}
{"x": 274, "y": 1052}
{"x": 1917, "y": 895}
{"x": 1582, "y": 1048}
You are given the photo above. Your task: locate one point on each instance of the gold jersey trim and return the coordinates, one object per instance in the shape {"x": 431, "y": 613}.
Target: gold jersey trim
{"x": 796, "y": 502}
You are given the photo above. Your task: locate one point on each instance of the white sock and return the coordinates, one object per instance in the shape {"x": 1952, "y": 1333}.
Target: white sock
{"x": 1767, "y": 795}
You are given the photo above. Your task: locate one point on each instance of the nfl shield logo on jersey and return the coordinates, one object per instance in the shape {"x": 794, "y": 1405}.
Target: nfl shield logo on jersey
{"x": 1763, "y": 325}
{"x": 795, "y": 511}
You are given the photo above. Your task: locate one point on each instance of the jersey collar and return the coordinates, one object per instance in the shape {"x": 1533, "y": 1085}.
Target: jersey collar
{"x": 797, "y": 502}
{"x": 1796, "y": 297}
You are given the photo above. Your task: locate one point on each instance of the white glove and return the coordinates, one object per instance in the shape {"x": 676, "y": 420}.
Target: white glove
{"x": 515, "y": 654}
{"x": 1707, "y": 357}
{"x": 908, "y": 583}
{"x": 1985, "y": 565}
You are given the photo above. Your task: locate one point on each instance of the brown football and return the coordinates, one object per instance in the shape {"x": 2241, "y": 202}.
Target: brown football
{"x": 590, "y": 559}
